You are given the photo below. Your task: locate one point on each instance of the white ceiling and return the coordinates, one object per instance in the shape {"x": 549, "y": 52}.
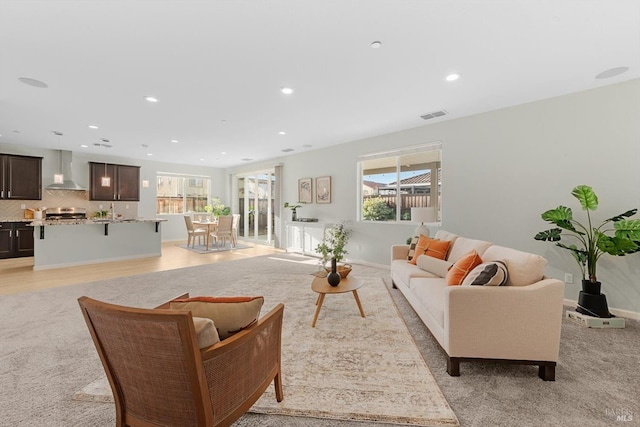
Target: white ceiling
{"x": 209, "y": 61}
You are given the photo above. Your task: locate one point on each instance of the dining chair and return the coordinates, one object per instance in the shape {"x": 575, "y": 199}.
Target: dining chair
{"x": 193, "y": 232}
{"x": 234, "y": 229}
{"x": 160, "y": 377}
{"x": 224, "y": 230}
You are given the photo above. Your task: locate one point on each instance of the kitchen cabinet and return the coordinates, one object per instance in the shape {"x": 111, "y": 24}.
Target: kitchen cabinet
{"x": 20, "y": 177}
{"x": 16, "y": 239}
{"x": 124, "y": 182}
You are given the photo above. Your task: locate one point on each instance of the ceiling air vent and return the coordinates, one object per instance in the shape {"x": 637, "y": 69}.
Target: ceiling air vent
{"x": 287, "y": 150}
{"x": 246, "y": 159}
{"x": 433, "y": 115}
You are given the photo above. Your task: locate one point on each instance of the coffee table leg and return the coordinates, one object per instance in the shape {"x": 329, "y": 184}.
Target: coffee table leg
{"x": 355, "y": 295}
{"x": 315, "y": 316}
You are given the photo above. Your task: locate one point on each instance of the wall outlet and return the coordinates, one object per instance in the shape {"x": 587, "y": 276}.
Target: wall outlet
{"x": 100, "y": 207}
{"x": 126, "y": 206}
{"x": 568, "y": 278}
{"x": 23, "y": 206}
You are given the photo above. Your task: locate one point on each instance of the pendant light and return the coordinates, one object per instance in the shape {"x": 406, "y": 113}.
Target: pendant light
{"x": 145, "y": 182}
{"x": 106, "y": 179}
{"x": 58, "y": 178}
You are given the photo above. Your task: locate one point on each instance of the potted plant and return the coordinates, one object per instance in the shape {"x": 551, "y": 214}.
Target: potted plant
{"x": 590, "y": 243}
{"x": 294, "y": 213}
{"x": 333, "y": 245}
{"x": 217, "y": 208}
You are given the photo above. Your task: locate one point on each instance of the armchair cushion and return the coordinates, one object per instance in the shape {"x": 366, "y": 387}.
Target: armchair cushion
{"x": 229, "y": 314}
{"x": 206, "y": 332}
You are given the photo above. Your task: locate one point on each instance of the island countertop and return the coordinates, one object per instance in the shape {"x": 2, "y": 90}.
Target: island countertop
{"x": 92, "y": 221}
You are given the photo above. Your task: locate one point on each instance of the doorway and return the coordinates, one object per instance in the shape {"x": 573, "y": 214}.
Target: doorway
{"x": 256, "y": 195}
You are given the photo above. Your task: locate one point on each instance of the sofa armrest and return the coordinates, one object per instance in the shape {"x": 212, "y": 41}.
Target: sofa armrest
{"x": 504, "y": 322}
{"x": 399, "y": 252}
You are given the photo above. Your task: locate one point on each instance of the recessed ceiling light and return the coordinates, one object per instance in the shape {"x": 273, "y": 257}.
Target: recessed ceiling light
{"x": 286, "y": 90}
{"x": 84, "y": 146}
{"x": 376, "y": 44}
{"x": 149, "y": 154}
{"x": 202, "y": 160}
{"x": 282, "y": 132}
{"x": 452, "y": 77}
{"x": 151, "y": 99}
{"x": 612, "y": 72}
{"x": 223, "y": 153}
{"x": 175, "y": 141}
{"x": 93, "y": 127}
{"x": 33, "y": 82}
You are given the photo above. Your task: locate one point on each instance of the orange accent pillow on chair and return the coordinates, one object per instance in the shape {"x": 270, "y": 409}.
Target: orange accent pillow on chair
{"x": 462, "y": 267}
{"x": 432, "y": 247}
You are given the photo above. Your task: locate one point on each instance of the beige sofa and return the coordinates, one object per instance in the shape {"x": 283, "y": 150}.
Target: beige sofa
{"x": 518, "y": 322}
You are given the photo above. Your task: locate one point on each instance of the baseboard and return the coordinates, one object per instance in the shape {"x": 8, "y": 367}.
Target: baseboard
{"x": 627, "y": 314}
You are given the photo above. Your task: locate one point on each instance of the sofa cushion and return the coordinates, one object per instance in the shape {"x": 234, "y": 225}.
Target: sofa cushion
{"x": 462, "y": 246}
{"x": 462, "y": 267}
{"x": 412, "y": 247}
{"x": 229, "y": 314}
{"x": 524, "y": 268}
{"x": 430, "y": 292}
{"x": 492, "y": 273}
{"x": 404, "y": 271}
{"x": 434, "y": 265}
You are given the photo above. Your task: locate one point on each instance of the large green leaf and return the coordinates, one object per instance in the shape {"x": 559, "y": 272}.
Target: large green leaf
{"x": 628, "y": 229}
{"x": 586, "y": 196}
{"x": 622, "y": 216}
{"x": 616, "y": 245}
{"x": 552, "y": 235}
{"x": 579, "y": 254}
{"x": 560, "y": 216}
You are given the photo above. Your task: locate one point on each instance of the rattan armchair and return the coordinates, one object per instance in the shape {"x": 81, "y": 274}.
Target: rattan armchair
{"x": 159, "y": 377}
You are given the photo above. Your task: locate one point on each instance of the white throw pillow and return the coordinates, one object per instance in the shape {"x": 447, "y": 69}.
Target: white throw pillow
{"x": 433, "y": 265}
{"x": 524, "y": 268}
{"x": 487, "y": 274}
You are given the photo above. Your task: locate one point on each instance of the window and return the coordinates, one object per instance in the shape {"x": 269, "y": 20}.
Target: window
{"x": 392, "y": 183}
{"x": 178, "y": 194}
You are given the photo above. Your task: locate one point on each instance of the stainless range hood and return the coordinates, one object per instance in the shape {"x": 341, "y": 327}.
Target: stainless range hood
{"x": 65, "y": 169}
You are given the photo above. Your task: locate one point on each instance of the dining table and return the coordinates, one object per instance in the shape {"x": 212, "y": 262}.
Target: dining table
{"x": 211, "y": 227}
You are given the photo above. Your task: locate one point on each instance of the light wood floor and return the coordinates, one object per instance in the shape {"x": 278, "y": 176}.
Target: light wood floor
{"x": 17, "y": 274}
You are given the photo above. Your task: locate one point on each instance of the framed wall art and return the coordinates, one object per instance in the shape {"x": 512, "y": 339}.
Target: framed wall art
{"x": 304, "y": 190}
{"x": 323, "y": 189}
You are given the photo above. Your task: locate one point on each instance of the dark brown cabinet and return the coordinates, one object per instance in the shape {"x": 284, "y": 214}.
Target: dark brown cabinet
{"x": 20, "y": 177}
{"x": 16, "y": 239}
{"x": 124, "y": 182}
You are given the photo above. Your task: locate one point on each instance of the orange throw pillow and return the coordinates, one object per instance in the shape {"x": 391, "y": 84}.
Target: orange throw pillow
{"x": 432, "y": 247}
{"x": 462, "y": 267}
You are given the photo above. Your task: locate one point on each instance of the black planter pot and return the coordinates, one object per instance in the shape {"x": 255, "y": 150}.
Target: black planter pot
{"x": 591, "y": 287}
{"x": 591, "y": 302}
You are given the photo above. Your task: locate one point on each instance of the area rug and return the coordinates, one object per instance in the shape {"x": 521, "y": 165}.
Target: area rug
{"x": 347, "y": 367}
{"x": 202, "y": 249}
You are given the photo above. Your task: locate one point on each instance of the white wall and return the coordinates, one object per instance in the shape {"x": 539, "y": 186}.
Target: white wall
{"x": 502, "y": 169}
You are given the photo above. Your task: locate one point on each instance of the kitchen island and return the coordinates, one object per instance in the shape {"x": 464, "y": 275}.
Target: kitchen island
{"x": 77, "y": 242}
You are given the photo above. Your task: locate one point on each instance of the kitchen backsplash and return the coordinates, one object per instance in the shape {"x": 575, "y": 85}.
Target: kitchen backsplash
{"x": 67, "y": 199}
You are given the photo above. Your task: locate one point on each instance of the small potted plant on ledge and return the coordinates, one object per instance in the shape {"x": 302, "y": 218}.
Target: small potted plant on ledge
{"x": 333, "y": 246}
{"x": 217, "y": 208}
{"x": 592, "y": 243}
{"x": 294, "y": 213}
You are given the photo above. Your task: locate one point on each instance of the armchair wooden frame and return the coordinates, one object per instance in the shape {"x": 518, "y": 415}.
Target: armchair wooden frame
{"x": 158, "y": 375}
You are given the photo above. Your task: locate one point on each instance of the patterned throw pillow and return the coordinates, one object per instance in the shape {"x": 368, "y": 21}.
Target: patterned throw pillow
{"x": 412, "y": 247}
{"x": 229, "y": 314}
{"x": 432, "y": 247}
{"x": 462, "y": 267}
{"x": 487, "y": 274}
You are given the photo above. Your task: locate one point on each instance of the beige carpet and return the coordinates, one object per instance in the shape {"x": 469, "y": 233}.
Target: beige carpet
{"x": 347, "y": 367}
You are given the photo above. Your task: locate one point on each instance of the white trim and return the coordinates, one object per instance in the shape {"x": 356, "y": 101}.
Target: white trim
{"x": 628, "y": 314}
{"x": 431, "y": 146}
